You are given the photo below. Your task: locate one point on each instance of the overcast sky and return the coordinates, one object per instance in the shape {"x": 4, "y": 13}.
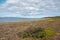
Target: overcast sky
{"x": 29, "y": 8}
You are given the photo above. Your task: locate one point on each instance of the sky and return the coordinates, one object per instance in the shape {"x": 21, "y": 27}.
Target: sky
{"x": 29, "y": 8}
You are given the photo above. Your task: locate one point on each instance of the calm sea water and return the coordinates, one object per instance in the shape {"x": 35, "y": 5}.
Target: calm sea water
{"x": 13, "y": 19}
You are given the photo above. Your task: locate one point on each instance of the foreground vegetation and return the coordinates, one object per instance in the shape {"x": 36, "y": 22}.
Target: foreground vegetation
{"x": 47, "y": 29}
{"x": 37, "y": 33}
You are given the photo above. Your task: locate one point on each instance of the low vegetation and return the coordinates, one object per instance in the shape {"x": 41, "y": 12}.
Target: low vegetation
{"x": 37, "y": 33}
{"x": 46, "y": 29}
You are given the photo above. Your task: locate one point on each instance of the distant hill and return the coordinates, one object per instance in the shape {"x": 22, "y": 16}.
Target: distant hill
{"x": 18, "y": 19}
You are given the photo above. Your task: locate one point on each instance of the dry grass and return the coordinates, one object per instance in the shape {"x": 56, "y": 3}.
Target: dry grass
{"x": 9, "y": 31}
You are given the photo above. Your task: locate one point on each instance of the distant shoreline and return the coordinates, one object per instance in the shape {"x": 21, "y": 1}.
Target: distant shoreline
{"x": 16, "y": 19}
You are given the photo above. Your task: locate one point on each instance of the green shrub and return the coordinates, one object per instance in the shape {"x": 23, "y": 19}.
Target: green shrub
{"x": 37, "y": 33}
{"x": 49, "y": 32}
{"x": 24, "y": 35}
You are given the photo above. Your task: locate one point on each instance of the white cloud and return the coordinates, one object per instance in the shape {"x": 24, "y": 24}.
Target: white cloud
{"x": 30, "y": 6}
{"x": 12, "y": 1}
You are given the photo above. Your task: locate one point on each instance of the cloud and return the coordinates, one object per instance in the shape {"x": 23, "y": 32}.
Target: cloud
{"x": 30, "y": 7}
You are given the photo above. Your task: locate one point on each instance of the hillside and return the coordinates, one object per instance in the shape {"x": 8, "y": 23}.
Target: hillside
{"x": 10, "y": 30}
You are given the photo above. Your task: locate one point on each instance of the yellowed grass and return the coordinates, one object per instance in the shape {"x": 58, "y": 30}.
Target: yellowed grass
{"x": 9, "y": 30}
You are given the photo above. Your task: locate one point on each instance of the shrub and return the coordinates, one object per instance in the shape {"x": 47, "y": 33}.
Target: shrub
{"x": 49, "y": 32}
{"x": 23, "y": 35}
{"x": 37, "y": 33}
